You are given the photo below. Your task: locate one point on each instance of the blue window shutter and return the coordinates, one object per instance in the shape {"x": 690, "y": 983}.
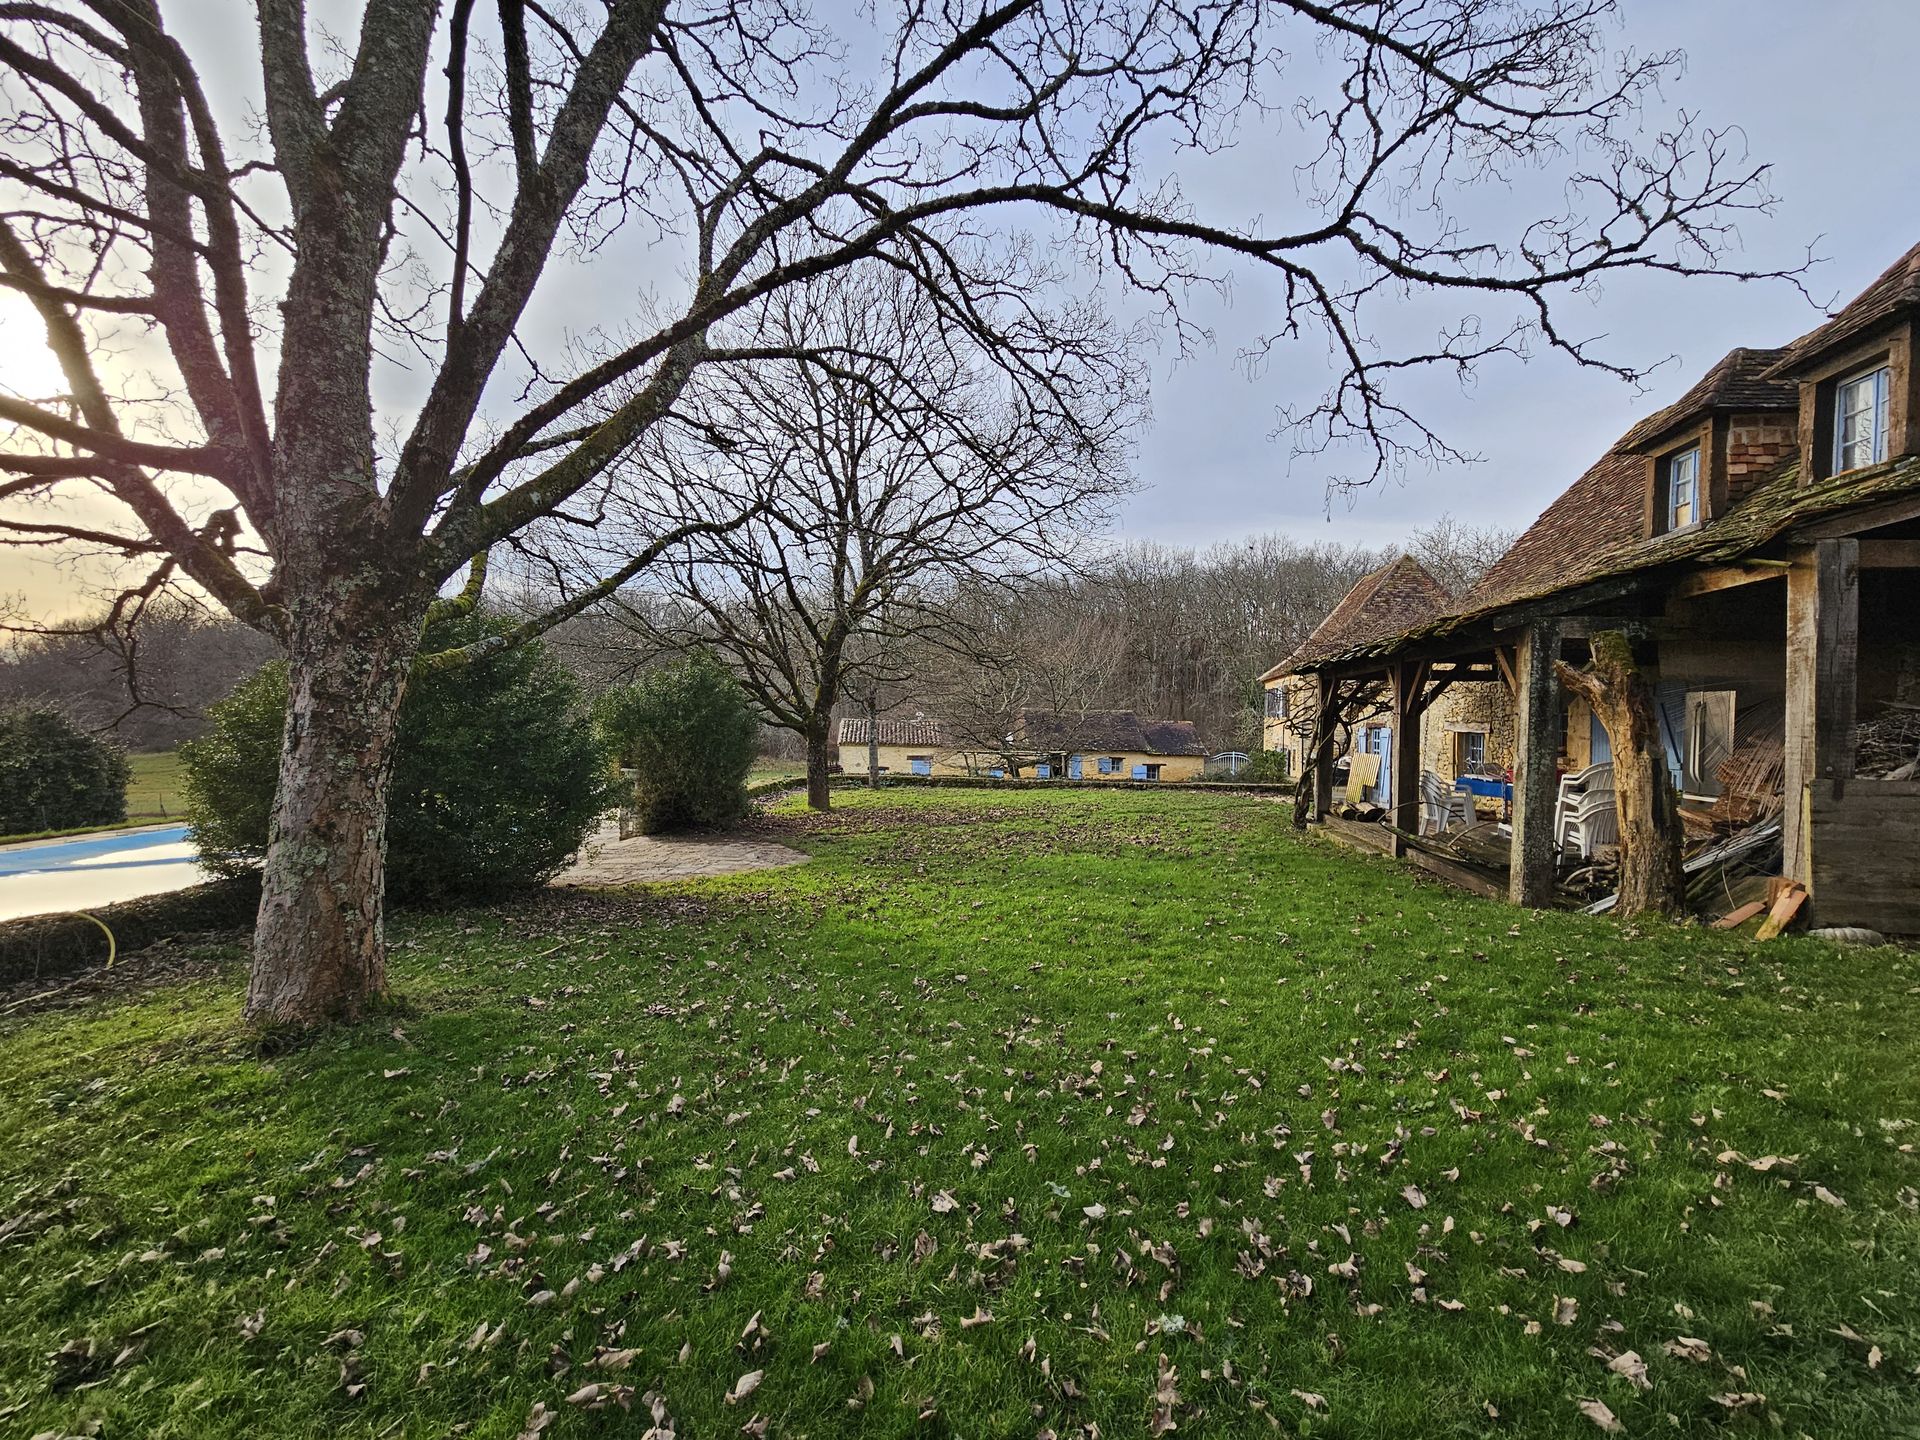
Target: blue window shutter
{"x": 1139, "y": 772}
{"x": 1043, "y": 772}
{"x": 1074, "y": 770}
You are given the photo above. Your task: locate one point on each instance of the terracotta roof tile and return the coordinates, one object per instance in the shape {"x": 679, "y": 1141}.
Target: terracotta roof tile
{"x": 1735, "y": 383}
{"x": 1398, "y": 595}
{"x": 1120, "y": 731}
{"x": 921, "y": 730}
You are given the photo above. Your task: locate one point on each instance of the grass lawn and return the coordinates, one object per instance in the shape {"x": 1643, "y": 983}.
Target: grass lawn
{"x": 1009, "y": 1115}
{"x": 155, "y": 790}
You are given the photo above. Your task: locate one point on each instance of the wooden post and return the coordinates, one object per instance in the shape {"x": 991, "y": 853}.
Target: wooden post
{"x": 1536, "y": 782}
{"x": 1409, "y": 684}
{"x": 1823, "y": 643}
{"x": 1324, "y": 729}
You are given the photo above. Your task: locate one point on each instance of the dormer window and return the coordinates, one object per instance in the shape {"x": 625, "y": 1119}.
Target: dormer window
{"x": 1682, "y": 486}
{"x": 1860, "y": 420}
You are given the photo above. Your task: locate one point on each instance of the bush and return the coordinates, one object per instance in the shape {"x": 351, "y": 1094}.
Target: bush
{"x": 689, "y": 735}
{"x": 497, "y": 776}
{"x": 1267, "y": 767}
{"x": 55, "y": 776}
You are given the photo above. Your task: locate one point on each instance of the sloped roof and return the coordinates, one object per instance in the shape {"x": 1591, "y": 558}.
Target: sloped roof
{"x": 1398, "y": 595}
{"x": 1120, "y": 731}
{"x": 1770, "y": 511}
{"x": 1897, "y": 289}
{"x": 1586, "y": 532}
{"x": 921, "y": 730}
{"x": 1598, "y": 526}
{"x": 1736, "y": 382}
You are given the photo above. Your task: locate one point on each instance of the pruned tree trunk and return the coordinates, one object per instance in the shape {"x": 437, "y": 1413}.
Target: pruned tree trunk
{"x": 1649, "y": 816}
{"x": 819, "y": 793}
{"x": 873, "y": 740}
{"x": 319, "y": 950}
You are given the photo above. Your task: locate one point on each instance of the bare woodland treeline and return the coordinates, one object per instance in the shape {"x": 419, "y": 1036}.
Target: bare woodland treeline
{"x": 1172, "y": 632}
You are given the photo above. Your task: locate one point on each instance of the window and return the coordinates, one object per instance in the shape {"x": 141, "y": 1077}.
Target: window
{"x": 920, "y": 764}
{"x": 1153, "y": 771}
{"x": 1469, "y": 752}
{"x": 1860, "y": 420}
{"x": 1278, "y": 703}
{"x": 1683, "y": 488}
{"x": 1043, "y": 772}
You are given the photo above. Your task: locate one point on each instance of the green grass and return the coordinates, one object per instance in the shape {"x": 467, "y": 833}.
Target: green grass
{"x": 156, "y": 788}
{"x": 765, "y": 770}
{"x": 1144, "y": 1078}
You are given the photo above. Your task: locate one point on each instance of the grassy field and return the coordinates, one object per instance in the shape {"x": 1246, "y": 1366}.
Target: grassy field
{"x": 1008, "y": 1115}
{"x": 154, "y": 790}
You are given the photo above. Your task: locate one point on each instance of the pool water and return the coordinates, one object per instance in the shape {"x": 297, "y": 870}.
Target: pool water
{"x": 86, "y": 871}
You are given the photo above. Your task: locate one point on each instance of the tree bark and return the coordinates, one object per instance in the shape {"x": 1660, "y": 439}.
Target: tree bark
{"x": 819, "y": 794}
{"x": 319, "y": 949}
{"x": 1649, "y": 816}
{"x": 873, "y": 741}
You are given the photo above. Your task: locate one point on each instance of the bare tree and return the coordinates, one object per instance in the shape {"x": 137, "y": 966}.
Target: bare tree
{"x": 1458, "y": 554}
{"x": 889, "y": 460}
{"x": 414, "y": 183}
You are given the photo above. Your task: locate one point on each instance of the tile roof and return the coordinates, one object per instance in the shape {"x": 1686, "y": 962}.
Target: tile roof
{"x": 1120, "y": 731}
{"x": 920, "y": 730}
{"x": 1598, "y": 526}
{"x": 1736, "y": 382}
{"x": 1769, "y": 512}
{"x": 1897, "y": 289}
{"x": 1398, "y": 595}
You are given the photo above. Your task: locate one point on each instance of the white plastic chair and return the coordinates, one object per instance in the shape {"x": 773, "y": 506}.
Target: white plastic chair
{"x": 1592, "y": 823}
{"x": 1580, "y": 782}
{"x": 1442, "y": 806}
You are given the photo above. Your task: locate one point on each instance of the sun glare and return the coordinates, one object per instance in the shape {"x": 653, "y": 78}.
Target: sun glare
{"x": 28, "y": 370}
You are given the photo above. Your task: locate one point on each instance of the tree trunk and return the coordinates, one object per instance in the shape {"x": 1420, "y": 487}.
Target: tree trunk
{"x": 819, "y": 795}
{"x": 873, "y": 741}
{"x": 319, "y": 949}
{"x": 1644, "y": 801}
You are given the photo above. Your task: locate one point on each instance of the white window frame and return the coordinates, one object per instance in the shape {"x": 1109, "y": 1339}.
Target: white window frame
{"x": 1881, "y": 378}
{"x": 1672, "y": 464}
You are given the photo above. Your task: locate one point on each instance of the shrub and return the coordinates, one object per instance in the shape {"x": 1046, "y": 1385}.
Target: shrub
{"x": 55, "y": 776}
{"x": 1267, "y": 767}
{"x": 689, "y": 735}
{"x": 497, "y": 775}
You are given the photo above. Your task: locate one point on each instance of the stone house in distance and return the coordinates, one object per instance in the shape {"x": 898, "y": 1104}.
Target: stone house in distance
{"x": 1758, "y": 541}
{"x": 1110, "y": 745}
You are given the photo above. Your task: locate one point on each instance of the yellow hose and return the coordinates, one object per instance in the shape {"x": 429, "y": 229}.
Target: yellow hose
{"x": 113, "y": 947}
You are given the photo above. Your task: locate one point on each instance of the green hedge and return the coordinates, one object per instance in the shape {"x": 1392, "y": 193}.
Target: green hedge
{"x": 497, "y": 778}
{"x": 689, "y": 734}
{"x": 55, "y": 776}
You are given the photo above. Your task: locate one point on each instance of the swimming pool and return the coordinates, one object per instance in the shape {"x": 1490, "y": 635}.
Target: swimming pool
{"x": 86, "y": 871}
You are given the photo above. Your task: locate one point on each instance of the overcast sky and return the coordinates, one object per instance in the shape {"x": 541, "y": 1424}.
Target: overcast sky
{"x": 1212, "y": 467}
{"x": 1848, "y": 176}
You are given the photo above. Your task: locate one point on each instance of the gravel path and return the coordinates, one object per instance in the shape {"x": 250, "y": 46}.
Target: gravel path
{"x": 607, "y": 860}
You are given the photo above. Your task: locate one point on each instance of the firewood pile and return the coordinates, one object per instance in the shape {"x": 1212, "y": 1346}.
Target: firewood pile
{"x": 1889, "y": 744}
